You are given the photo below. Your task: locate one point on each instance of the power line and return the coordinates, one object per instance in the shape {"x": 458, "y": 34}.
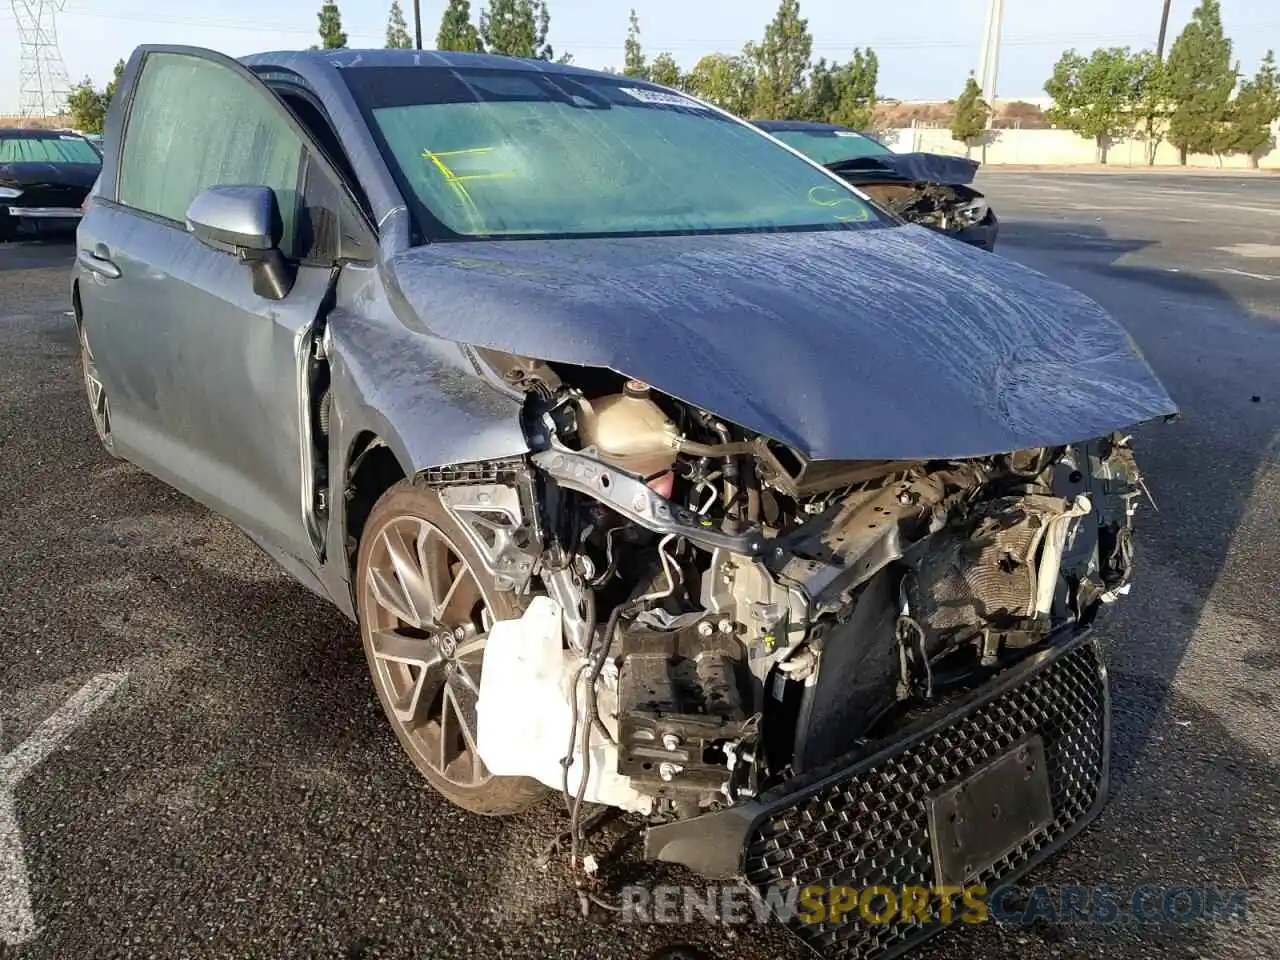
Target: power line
{"x": 673, "y": 45}
{"x": 885, "y": 42}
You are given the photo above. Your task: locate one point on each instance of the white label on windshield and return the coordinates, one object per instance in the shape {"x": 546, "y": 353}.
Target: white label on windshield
{"x": 659, "y": 96}
{"x": 848, "y": 133}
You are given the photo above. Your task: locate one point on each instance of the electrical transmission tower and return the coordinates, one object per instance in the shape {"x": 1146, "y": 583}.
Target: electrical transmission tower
{"x": 43, "y": 84}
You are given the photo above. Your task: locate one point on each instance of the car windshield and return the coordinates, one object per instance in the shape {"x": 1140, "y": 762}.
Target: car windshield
{"x": 55, "y": 148}
{"x": 517, "y": 153}
{"x": 831, "y": 146}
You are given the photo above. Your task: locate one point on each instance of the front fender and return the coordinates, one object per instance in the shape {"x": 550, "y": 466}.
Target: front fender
{"x": 420, "y": 393}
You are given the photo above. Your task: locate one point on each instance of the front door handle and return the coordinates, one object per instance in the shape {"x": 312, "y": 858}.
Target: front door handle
{"x": 96, "y": 263}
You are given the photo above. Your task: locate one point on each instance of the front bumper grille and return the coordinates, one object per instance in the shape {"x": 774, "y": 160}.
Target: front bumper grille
{"x": 868, "y": 825}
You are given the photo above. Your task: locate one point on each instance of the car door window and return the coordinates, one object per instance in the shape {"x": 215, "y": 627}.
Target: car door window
{"x": 195, "y": 124}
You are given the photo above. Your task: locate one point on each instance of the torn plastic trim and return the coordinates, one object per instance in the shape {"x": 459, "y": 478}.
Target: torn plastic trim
{"x": 1055, "y": 539}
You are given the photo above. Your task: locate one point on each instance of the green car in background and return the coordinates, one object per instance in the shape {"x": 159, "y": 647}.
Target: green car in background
{"x": 930, "y": 189}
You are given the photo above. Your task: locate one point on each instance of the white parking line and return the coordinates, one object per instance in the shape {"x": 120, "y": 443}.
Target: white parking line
{"x": 1253, "y": 251}
{"x": 17, "y": 922}
{"x": 1242, "y": 273}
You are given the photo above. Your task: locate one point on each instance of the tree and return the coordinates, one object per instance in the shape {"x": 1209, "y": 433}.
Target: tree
{"x": 782, "y": 64}
{"x": 397, "y": 30}
{"x": 855, "y": 84}
{"x": 1096, "y": 97}
{"x": 634, "y": 63}
{"x": 1254, "y": 109}
{"x": 823, "y": 93}
{"x": 726, "y": 81}
{"x": 843, "y": 93}
{"x": 457, "y": 32}
{"x": 1201, "y": 79}
{"x": 117, "y": 74}
{"x": 972, "y": 113}
{"x": 666, "y": 71}
{"x": 1151, "y": 101}
{"x": 332, "y": 36}
{"x": 88, "y": 106}
{"x": 517, "y": 28}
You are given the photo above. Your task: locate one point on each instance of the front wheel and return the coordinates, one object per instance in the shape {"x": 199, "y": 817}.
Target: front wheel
{"x": 8, "y": 226}
{"x": 426, "y": 603}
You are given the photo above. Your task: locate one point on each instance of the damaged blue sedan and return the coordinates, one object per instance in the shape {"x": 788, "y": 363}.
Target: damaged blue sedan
{"x": 658, "y": 465}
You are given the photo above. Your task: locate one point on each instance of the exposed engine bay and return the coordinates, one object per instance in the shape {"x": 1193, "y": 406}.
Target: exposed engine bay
{"x": 931, "y": 190}
{"x": 715, "y": 614}
{"x": 944, "y": 207}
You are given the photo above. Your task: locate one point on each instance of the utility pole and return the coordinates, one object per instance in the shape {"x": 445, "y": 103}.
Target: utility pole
{"x": 989, "y": 53}
{"x": 417, "y": 24}
{"x": 1164, "y": 26}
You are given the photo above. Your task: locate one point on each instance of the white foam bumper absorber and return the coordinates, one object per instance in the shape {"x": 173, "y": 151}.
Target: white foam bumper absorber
{"x": 524, "y": 711}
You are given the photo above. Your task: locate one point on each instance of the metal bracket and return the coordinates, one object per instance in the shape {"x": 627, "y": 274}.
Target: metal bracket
{"x": 490, "y": 514}
{"x": 629, "y": 496}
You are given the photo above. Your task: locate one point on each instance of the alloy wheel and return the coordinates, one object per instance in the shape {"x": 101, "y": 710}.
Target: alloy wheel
{"x": 426, "y": 619}
{"x": 99, "y": 406}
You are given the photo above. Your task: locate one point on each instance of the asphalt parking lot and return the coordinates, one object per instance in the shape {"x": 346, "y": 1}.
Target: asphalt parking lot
{"x": 236, "y": 791}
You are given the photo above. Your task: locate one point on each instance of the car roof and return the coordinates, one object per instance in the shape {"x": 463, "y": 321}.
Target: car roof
{"x": 33, "y": 132}
{"x": 345, "y": 59}
{"x": 797, "y": 125}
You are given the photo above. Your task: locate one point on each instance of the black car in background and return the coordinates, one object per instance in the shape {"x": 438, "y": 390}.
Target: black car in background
{"x": 45, "y": 176}
{"x": 930, "y": 189}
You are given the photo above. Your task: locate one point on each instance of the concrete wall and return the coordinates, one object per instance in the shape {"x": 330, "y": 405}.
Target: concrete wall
{"x": 1058, "y": 147}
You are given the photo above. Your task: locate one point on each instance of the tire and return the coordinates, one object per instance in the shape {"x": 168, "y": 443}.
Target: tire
{"x": 8, "y": 226}
{"x": 99, "y": 406}
{"x": 406, "y": 525}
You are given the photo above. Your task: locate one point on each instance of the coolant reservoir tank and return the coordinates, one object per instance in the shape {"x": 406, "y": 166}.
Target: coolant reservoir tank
{"x": 629, "y": 430}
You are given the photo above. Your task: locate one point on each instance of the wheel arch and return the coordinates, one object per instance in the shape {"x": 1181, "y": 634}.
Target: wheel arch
{"x": 371, "y": 468}
{"x": 77, "y": 308}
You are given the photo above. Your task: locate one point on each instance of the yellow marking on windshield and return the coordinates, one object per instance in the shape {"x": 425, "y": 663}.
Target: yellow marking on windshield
{"x": 457, "y": 153}
{"x": 458, "y": 181}
{"x": 864, "y": 213}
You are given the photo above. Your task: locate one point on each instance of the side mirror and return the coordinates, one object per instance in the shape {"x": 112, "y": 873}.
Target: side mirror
{"x": 245, "y": 221}
{"x": 232, "y": 219}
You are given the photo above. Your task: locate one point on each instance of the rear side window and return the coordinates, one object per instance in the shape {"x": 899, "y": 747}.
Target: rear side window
{"x": 196, "y": 124}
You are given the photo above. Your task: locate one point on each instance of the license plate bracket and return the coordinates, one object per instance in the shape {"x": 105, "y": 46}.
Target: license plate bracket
{"x": 975, "y": 821}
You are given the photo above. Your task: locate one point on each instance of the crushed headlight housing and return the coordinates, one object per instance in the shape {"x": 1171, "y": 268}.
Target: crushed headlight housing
{"x": 967, "y": 214}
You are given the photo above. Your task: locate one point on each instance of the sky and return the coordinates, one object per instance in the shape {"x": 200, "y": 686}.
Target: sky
{"x": 924, "y": 56}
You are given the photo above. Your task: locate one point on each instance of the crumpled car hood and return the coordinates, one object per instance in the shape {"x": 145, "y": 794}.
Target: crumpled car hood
{"x": 880, "y": 343}
{"x": 919, "y": 167}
